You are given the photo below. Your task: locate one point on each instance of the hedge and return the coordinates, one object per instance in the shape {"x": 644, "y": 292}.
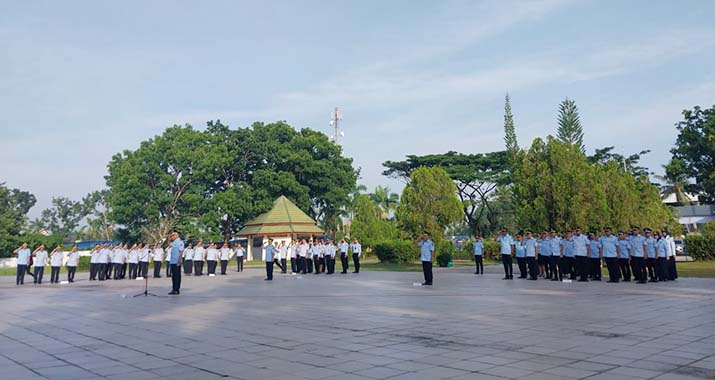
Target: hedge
{"x": 491, "y": 251}
{"x": 700, "y": 247}
{"x": 396, "y": 251}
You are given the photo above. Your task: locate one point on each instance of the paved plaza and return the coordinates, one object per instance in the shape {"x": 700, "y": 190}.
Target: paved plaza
{"x": 374, "y": 325}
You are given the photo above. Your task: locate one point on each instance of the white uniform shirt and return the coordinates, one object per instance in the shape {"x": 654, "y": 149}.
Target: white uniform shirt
{"x": 23, "y": 256}
{"x": 240, "y": 252}
{"x": 109, "y": 255}
{"x": 158, "y": 254}
{"x": 211, "y": 254}
{"x": 225, "y": 253}
{"x": 670, "y": 243}
{"x": 293, "y": 251}
{"x": 117, "y": 256}
{"x": 144, "y": 255}
{"x": 40, "y": 258}
{"x": 102, "y": 255}
{"x": 73, "y": 259}
{"x": 331, "y": 249}
{"x": 94, "y": 256}
{"x": 133, "y": 256}
{"x": 189, "y": 254}
{"x": 282, "y": 252}
{"x": 343, "y": 247}
{"x": 199, "y": 254}
{"x": 303, "y": 250}
{"x": 56, "y": 258}
{"x": 356, "y": 248}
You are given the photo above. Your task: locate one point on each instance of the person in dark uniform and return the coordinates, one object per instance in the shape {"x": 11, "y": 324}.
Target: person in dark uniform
{"x": 520, "y": 254}
{"x": 532, "y": 252}
{"x": 555, "y": 258}
{"x": 638, "y": 254}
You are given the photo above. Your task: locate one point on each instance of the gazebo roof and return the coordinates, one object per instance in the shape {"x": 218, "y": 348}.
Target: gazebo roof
{"x": 283, "y": 218}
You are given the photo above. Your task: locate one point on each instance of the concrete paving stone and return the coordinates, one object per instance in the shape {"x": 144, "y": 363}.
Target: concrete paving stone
{"x": 240, "y": 327}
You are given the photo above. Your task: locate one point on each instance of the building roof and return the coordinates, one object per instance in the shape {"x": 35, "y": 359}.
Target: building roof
{"x": 283, "y": 218}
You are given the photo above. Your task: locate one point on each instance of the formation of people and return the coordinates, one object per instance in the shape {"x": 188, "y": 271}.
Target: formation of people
{"x": 307, "y": 256}
{"x": 646, "y": 257}
{"x": 110, "y": 262}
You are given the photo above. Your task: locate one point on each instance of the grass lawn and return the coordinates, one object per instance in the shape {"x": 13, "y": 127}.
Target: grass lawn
{"x": 685, "y": 269}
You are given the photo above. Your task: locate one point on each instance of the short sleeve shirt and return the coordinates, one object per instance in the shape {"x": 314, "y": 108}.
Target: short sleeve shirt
{"x": 426, "y": 249}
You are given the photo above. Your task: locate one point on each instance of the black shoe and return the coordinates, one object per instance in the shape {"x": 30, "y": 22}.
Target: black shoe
{"x": 343, "y": 272}
{"x": 506, "y": 278}
{"x": 612, "y": 282}
{"x": 628, "y": 280}
{"x": 426, "y": 284}
{"x": 641, "y": 282}
{"x": 173, "y": 292}
{"x": 596, "y": 279}
{"x": 476, "y": 272}
{"x": 554, "y": 279}
{"x": 267, "y": 279}
{"x": 533, "y": 279}
{"x": 583, "y": 280}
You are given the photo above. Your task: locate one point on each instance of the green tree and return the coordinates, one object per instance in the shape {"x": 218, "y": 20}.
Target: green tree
{"x": 509, "y": 130}
{"x": 629, "y": 164}
{"x": 385, "y": 200}
{"x": 14, "y": 205}
{"x": 99, "y": 223}
{"x": 674, "y": 181}
{"x": 695, "y": 148}
{"x": 570, "y": 129}
{"x": 368, "y": 226}
{"x": 428, "y": 203}
{"x": 476, "y": 176}
{"x": 62, "y": 218}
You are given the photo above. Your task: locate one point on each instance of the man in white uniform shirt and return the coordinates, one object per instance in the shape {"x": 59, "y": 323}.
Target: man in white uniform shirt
{"x": 240, "y": 252}
{"x": 102, "y": 262}
{"x": 330, "y": 257}
{"x": 303, "y": 249}
{"x": 56, "y": 259}
{"x": 94, "y": 263}
{"x": 188, "y": 259}
{"x": 356, "y": 249}
{"x": 118, "y": 262}
{"x": 343, "y": 246}
{"x": 293, "y": 257}
{"x": 282, "y": 254}
{"x": 72, "y": 262}
{"x": 426, "y": 246}
{"x": 224, "y": 256}
{"x": 199, "y": 252}
{"x": 211, "y": 258}
{"x": 133, "y": 260}
{"x": 158, "y": 257}
{"x": 23, "y": 260}
{"x": 144, "y": 258}
{"x": 40, "y": 261}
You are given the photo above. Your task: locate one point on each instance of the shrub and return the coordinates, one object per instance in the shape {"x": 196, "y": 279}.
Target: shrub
{"x": 710, "y": 229}
{"x": 396, "y": 251}
{"x": 700, "y": 247}
{"x": 491, "y": 251}
{"x": 443, "y": 259}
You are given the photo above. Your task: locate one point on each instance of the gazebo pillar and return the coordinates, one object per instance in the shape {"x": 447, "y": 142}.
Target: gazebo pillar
{"x": 249, "y": 248}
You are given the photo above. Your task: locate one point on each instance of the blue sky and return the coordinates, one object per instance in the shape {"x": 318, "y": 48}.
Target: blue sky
{"x": 83, "y": 80}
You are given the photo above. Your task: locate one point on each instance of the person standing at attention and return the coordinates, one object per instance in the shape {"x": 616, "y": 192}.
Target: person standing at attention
{"x": 269, "y": 257}
{"x": 356, "y": 248}
{"x": 23, "y": 260}
{"x": 72, "y": 262}
{"x": 426, "y": 246}
{"x": 225, "y": 253}
{"x": 177, "y": 248}
{"x": 507, "y": 246}
{"x": 478, "y": 247}
{"x": 40, "y": 261}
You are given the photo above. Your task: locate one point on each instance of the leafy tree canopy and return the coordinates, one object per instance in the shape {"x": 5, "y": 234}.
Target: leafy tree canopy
{"x": 694, "y": 151}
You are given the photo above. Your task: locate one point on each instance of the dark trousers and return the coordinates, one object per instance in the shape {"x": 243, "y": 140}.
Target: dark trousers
{"x": 133, "y": 270}
{"x": 309, "y": 264}
{"x": 302, "y": 265}
{"x": 102, "y": 271}
{"x": 521, "y": 264}
{"x": 39, "y": 271}
{"x": 198, "y": 268}
{"x": 344, "y": 262}
{"x": 554, "y": 264}
{"x": 284, "y": 265}
{"x": 639, "y": 271}
{"x": 188, "y": 266}
{"x": 269, "y": 270}
{"x": 211, "y": 266}
{"x": 224, "y": 265}
{"x": 479, "y": 263}
{"x": 278, "y": 262}
{"x": 123, "y": 272}
{"x": 533, "y": 270}
{"x": 318, "y": 263}
{"x": 239, "y": 263}
{"x": 168, "y": 269}
{"x": 650, "y": 266}
{"x": 54, "y": 275}
{"x": 567, "y": 266}
{"x": 595, "y": 264}
{"x": 144, "y": 268}
{"x": 356, "y": 263}
{"x": 427, "y": 271}
{"x": 28, "y": 269}
{"x": 20, "y": 275}
{"x": 508, "y": 269}
{"x": 582, "y": 265}
{"x": 326, "y": 264}
{"x": 157, "y": 268}
{"x": 93, "y": 267}
{"x": 625, "y": 269}
{"x": 293, "y": 264}
{"x": 672, "y": 269}
{"x": 661, "y": 269}
{"x": 117, "y": 271}
{"x": 614, "y": 275}
{"x": 175, "y": 277}
{"x": 70, "y": 273}
{"x": 108, "y": 270}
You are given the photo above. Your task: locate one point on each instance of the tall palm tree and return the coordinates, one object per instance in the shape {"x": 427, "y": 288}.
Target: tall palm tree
{"x": 385, "y": 199}
{"x": 674, "y": 182}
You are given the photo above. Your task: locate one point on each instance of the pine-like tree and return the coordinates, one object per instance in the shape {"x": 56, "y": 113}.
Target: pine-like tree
{"x": 570, "y": 129}
{"x": 509, "y": 131}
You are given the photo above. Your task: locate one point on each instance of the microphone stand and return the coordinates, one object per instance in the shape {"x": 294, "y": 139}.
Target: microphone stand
{"x": 145, "y": 293}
